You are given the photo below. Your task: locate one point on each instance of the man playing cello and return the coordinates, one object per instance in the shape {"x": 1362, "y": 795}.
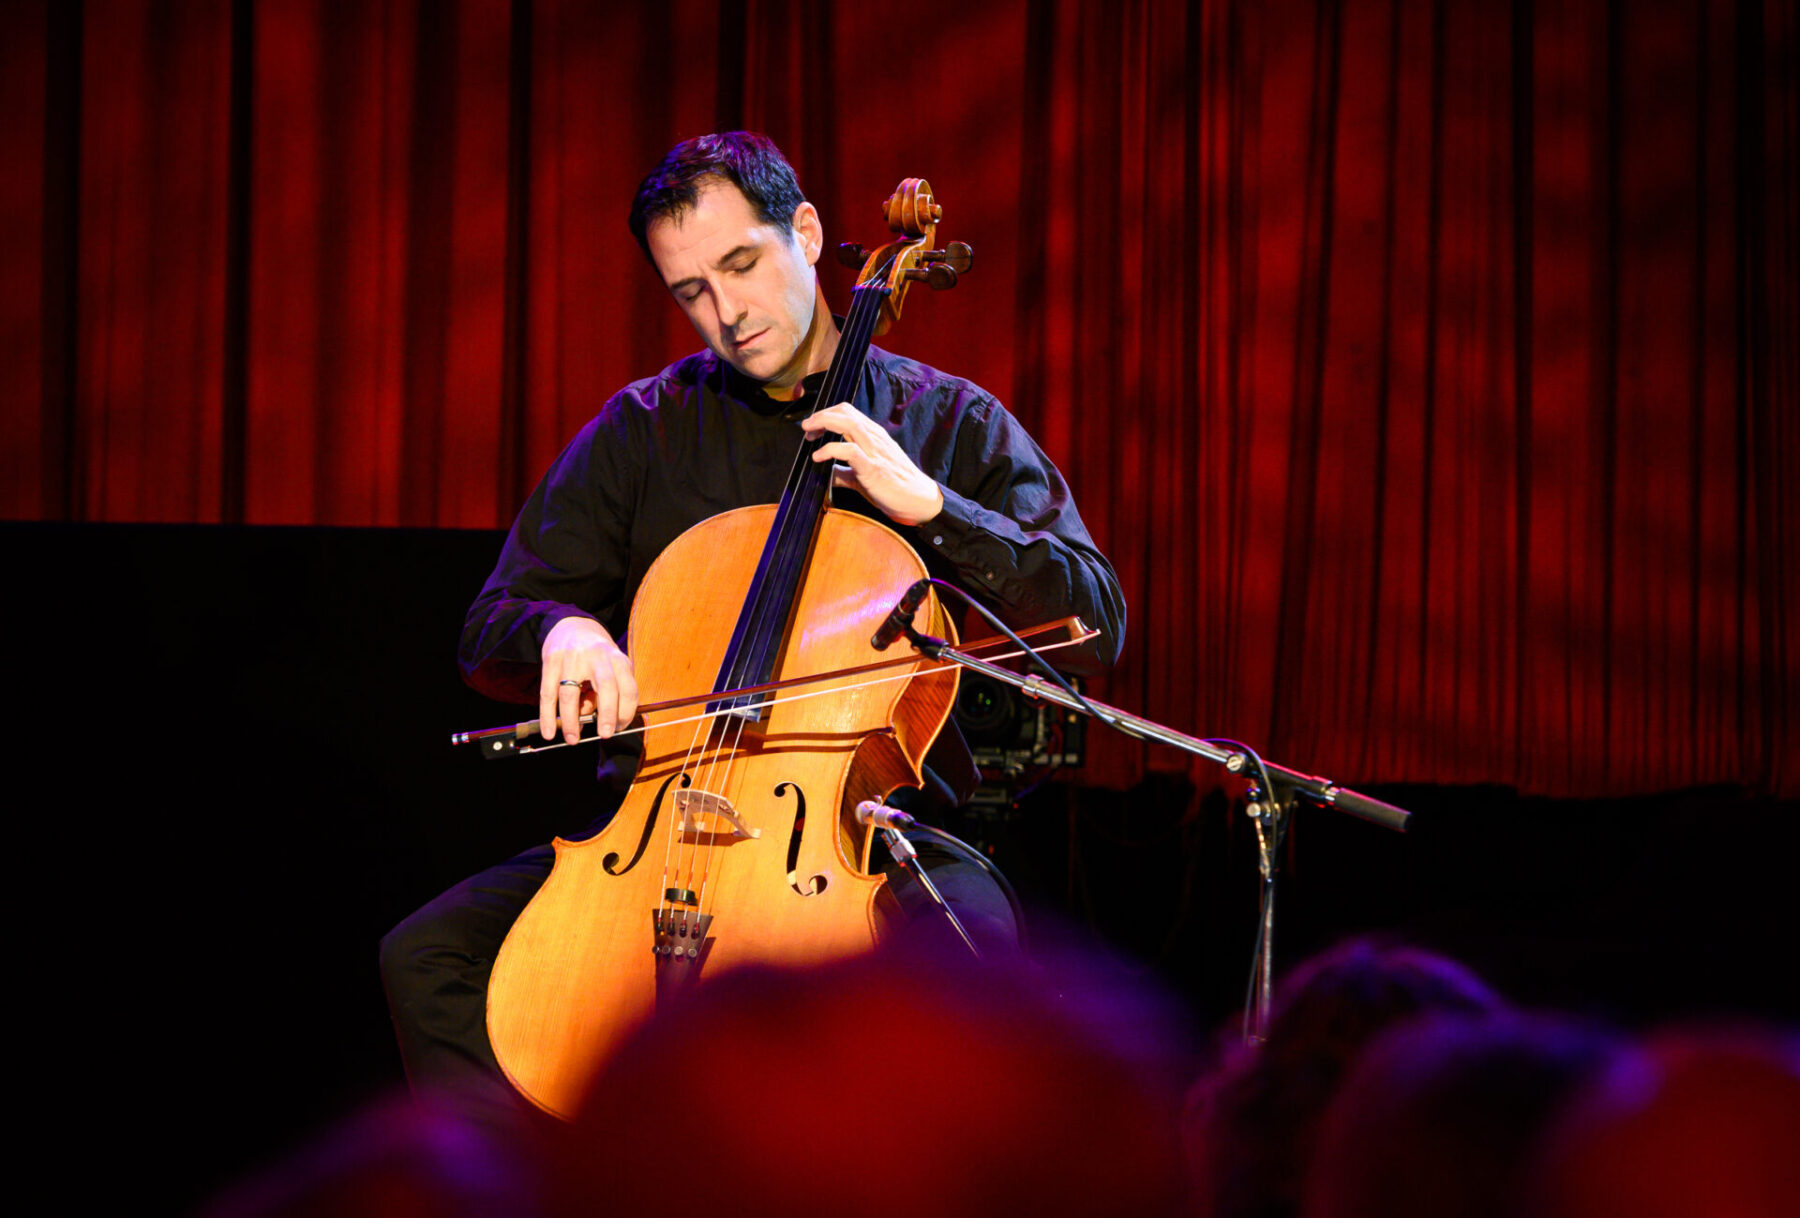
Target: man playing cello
{"x": 724, "y": 224}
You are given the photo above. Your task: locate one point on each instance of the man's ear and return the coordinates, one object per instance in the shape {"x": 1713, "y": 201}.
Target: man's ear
{"x": 810, "y": 232}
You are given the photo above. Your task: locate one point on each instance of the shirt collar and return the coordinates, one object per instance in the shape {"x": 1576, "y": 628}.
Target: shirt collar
{"x": 749, "y": 391}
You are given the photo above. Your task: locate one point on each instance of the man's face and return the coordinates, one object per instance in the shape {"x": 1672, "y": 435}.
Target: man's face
{"x": 746, "y": 284}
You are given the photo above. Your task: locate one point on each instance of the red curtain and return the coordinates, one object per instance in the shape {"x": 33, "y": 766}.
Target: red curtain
{"x": 1428, "y": 370}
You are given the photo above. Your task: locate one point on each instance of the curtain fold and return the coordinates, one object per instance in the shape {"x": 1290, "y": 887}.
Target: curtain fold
{"x": 1429, "y": 371}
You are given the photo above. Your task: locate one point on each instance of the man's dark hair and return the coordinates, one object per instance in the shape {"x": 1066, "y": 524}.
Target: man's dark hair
{"x": 749, "y": 161}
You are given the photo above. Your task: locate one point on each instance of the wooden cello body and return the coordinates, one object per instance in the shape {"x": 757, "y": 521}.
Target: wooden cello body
{"x": 738, "y": 842}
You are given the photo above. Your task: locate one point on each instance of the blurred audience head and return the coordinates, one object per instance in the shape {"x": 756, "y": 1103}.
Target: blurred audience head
{"x": 397, "y": 1159}
{"x": 1250, "y": 1122}
{"x": 1440, "y": 1114}
{"x": 874, "y": 1088}
{"x": 1690, "y": 1123}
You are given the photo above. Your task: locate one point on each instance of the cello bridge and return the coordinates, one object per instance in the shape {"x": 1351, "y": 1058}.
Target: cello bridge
{"x": 695, "y": 807}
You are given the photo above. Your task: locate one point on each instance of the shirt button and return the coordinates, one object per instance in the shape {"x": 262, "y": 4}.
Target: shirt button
{"x": 938, "y": 540}
{"x": 990, "y": 575}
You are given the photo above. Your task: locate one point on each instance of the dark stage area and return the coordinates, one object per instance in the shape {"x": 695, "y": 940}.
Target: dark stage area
{"x": 235, "y": 776}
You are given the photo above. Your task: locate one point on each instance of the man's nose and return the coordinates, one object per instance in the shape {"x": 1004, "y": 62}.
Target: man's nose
{"x": 731, "y": 310}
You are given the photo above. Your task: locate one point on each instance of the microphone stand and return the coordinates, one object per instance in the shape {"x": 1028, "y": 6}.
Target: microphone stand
{"x": 1274, "y": 792}
{"x": 1269, "y": 813}
{"x": 904, "y": 854}
{"x": 890, "y": 821}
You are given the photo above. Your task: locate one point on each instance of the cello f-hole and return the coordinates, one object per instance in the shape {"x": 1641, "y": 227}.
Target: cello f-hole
{"x": 817, "y": 883}
{"x": 611, "y": 861}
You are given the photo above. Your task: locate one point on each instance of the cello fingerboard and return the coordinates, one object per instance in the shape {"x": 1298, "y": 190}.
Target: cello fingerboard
{"x": 762, "y": 625}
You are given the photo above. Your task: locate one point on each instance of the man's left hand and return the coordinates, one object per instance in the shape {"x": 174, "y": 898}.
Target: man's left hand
{"x": 871, "y": 464}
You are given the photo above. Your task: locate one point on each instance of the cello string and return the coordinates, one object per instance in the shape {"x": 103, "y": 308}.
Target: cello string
{"x": 797, "y": 522}
{"x": 723, "y": 719}
{"x": 796, "y": 525}
{"x": 808, "y": 490}
{"x": 750, "y": 648}
{"x": 802, "y": 504}
{"x": 671, "y": 870}
{"x": 723, "y": 793}
{"x": 768, "y": 614}
{"x": 828, "y": 389}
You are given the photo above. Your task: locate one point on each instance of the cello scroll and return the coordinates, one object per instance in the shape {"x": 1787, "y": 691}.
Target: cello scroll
{"x": 913, "y": 212}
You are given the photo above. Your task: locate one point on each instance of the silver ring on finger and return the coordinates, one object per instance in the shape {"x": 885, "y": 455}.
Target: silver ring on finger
{"x": 576, "y": 684}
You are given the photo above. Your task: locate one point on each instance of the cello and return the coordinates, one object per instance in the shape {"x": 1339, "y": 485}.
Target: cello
{"x": 738, "y": 842}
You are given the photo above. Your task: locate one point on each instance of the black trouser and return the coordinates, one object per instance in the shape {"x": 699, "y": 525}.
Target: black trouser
{"x": 435, "y": 964}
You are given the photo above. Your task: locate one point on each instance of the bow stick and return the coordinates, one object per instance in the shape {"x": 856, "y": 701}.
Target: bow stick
{"x": 505, "y": 739}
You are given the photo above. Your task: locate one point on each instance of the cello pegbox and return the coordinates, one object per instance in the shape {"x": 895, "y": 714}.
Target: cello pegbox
{"x": 912, "y": 213}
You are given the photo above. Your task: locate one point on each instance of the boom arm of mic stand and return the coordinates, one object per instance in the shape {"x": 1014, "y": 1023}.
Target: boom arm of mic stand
{"x": 1321, "y": 791}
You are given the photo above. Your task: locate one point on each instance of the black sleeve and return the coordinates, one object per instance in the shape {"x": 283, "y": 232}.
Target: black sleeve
{"x": 1011, "y": 532}
{"x": 566, "y": 556}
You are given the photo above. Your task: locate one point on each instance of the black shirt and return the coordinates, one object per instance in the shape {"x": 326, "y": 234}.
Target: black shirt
{"x": 698, "y": 439}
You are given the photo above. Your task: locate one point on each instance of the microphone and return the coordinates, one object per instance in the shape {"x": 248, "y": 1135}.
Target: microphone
{"x": 882, "y": 816}
{"x": 901, "y": 616}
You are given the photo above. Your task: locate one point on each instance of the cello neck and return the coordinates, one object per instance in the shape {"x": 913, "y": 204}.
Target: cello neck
{"x": 763, "y": 621}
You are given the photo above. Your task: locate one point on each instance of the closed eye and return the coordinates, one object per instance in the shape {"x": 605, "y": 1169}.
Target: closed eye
{"x": 689, "y": 290}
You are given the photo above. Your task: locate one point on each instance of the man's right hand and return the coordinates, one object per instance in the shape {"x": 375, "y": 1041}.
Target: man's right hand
{"x": 584, "y": 670}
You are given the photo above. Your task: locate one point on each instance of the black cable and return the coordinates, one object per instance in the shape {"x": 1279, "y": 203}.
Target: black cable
{"x": 1262, "y": 771}
{"x": 1027, "y": 648}
{"x": 958, "y": 846}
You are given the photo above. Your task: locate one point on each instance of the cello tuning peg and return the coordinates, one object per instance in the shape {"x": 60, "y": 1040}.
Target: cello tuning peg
{"x": 937, "y": 276}
{"x": 957, "y": 256}
{"x": 851, "y": 254}
{"x": 940, "y": 277}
